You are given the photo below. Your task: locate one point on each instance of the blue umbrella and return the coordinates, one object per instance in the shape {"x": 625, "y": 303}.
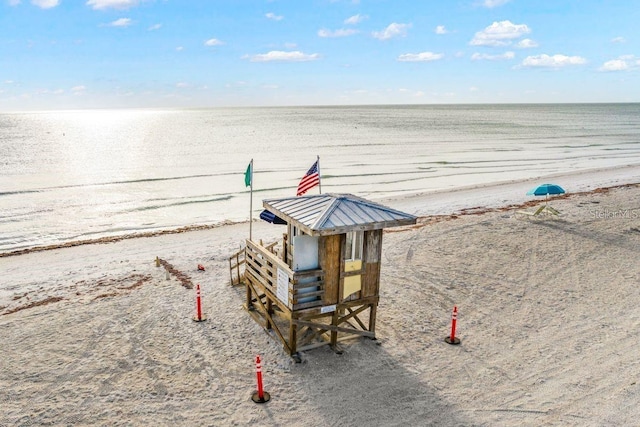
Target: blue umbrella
{"x": 546, "y": 190}
{"x": 271, "y": 217}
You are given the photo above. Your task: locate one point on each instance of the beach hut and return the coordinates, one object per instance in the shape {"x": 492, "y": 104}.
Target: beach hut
{"x": 321, "y": 283}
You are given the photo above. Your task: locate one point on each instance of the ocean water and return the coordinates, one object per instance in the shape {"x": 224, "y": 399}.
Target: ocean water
{"x": 78, "y": 175}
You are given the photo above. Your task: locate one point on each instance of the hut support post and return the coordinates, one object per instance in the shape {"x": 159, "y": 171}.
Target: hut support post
{"x": 269, "y": 312}
{"x": 249, "y": 303}
{"x": 334, "y": 333}
{"x": 372, "y": 319}
{"x": 292, "y": 337}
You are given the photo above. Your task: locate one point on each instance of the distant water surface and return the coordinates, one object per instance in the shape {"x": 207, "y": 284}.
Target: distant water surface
{"x": 77, "y": 175}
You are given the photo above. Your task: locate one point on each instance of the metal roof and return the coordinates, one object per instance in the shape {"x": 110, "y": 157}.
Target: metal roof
{"x": 326, "y": 214}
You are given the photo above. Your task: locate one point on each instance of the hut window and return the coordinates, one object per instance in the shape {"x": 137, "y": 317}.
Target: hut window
{"x": 353, "y": 245}
{"x": 295, "y": 231}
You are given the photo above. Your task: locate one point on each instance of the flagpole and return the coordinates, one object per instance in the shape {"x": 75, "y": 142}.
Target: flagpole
{"x": 319, "y": 177}
{"x": 251, "y": 203}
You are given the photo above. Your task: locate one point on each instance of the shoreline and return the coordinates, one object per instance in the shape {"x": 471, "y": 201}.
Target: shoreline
{"x": 113, "y": 239}
{"x": 473, "y": 199}
{"x": 440, "y": 203}
{"x": 505, "y": 193}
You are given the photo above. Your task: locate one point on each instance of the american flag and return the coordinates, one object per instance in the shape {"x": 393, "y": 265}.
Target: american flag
{"x": 309, "y": 180}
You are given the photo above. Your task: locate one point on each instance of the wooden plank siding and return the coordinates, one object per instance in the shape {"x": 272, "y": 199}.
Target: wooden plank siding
{"x": 330, "y": 255}
{"x": 372, "y": 256}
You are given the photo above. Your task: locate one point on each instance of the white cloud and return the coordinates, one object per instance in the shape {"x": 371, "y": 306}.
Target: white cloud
{"x": 355, "y": 19}
{"x": 484, "y": 56}
{"x": 473, "y": 89}
{"x": 13, "y": 2}
{"x": 420, "y": 57}
{"x": 494, "y": 3}
{"x": 112, "y": 4}
{"x": 45, "y": 4}
{"x": 274, "y": 17}
{"x": 526, "y": 44}
{"x": 623, "y": 63}
{"x": 499, "y": 34}
{"x": 49, "y": 91}
{"x": 440, "y": 29}
{"x": 180, "y": 48}
{"x": 182, "y": 85}
{"x": 618, "y": 40}
{"x": 552, "y": 61}
{"x": 278, "y": 55}
{"x": 336, "y": 33}
{"x": 122, "y": 22}
{"x": 615, "y": 65}
{"x": 78, "y": 90}
{"x": 213, "y": 42}
{"x": 154, "y": 27}
{"x": 393, "y": 30}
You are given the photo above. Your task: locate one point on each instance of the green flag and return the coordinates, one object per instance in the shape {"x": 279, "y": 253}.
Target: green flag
{"x": 247, "y": 175}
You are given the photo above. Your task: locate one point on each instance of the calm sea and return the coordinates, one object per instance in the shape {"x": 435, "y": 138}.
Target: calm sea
{"x": 77, "y": 175}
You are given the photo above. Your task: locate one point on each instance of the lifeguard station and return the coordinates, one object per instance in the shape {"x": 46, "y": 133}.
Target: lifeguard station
{"x": 321, "y": 283}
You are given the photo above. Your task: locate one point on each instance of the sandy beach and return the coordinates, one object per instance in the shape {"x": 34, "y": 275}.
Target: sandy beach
{"x": 549, "y": 313}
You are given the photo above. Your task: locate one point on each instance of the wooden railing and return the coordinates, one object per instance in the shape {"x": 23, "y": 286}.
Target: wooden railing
{"x": 235, "y": 262}
{"x": 297, "y": 290}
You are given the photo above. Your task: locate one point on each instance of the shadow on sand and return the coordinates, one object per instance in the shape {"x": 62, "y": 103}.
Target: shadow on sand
{"x": 366, "y": 385}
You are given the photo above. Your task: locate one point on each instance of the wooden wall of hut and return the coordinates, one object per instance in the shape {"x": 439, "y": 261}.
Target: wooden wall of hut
{"x": 330, "y": 254}
{"x": 331, "y": 261}
{"x": 372, "y": 257}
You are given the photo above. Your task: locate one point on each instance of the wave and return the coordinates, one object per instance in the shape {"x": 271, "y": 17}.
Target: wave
{"x": 14, "y": 217}
{"x": 118, "y": 182}
{"x": 13, "y": 193}
{"x": 190, "y": 202}
{"x": 378, "y": 174}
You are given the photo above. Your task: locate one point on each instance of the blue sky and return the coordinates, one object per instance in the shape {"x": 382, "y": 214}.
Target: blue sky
{"x": 64, "y": 54}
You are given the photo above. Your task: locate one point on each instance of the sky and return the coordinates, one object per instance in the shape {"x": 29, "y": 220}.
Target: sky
{"x": 77, "y": 54}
